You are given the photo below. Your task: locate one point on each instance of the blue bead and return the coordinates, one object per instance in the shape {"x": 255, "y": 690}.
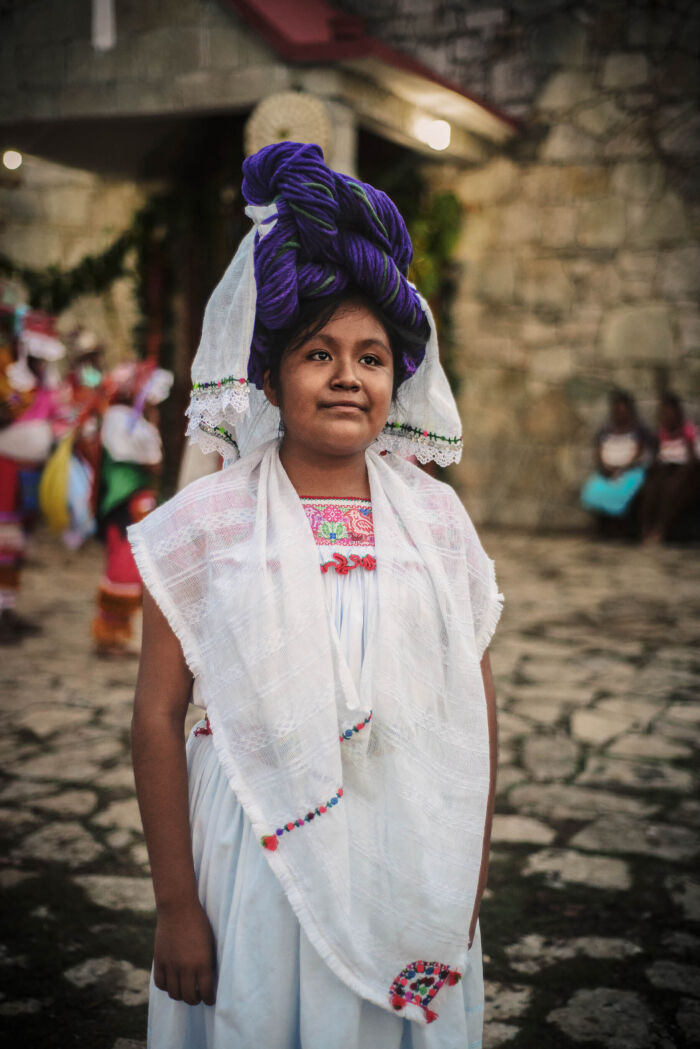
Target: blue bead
{"x": 279, "y": 832}
{"x": 348, "y": 733}
{"x": 334, "y": 801}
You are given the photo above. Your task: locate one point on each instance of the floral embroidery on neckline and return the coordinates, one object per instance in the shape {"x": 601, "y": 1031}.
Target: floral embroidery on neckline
{"x": 340, "y": 522}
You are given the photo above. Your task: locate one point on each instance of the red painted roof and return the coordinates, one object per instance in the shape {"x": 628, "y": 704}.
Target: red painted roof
{"x": 313, "y": 31}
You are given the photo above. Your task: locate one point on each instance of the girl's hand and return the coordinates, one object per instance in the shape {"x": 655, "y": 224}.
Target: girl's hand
{"x": 184, "y": 957}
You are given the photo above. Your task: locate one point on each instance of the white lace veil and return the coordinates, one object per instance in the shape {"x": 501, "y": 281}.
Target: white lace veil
{"x": 227, "y": 413}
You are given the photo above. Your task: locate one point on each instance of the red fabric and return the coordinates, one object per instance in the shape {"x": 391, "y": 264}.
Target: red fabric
{"x": 120, "y": 565}
{"x": 9, "y": 486}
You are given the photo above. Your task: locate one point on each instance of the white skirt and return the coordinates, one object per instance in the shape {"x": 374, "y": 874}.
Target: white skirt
{"x": 273, "y": 989}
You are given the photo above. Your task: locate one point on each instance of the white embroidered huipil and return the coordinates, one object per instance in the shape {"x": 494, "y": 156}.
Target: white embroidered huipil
{"x": 382, "y": 877}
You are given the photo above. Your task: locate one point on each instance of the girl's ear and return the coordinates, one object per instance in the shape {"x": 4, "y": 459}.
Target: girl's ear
{"x": 269, "y": 391}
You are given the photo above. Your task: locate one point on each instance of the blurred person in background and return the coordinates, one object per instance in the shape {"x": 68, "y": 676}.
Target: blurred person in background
{"x": 622, "y": 455}
{"x": 130, "y": 458}
{"x": 673, "y": 484}
{"x": 31, "y": 416}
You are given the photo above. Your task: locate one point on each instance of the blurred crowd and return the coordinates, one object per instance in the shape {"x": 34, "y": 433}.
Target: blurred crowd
{"x": 646, "y": 483}
{"x": 80, "y": 446}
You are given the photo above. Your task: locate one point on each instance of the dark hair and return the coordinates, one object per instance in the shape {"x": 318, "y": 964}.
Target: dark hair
{"x": 622, "y": 397}
{"x": 672, "y": 400}
{"x": 313, "y": 316}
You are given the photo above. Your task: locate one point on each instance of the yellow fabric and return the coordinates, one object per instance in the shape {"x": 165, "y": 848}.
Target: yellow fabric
{"x": 53, "y": 488}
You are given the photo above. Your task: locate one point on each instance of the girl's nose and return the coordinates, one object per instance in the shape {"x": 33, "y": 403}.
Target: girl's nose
{"x": 344, "y": 375}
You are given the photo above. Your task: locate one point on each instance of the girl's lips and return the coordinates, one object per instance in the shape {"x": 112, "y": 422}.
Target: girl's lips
{"x": 346, "y": 405}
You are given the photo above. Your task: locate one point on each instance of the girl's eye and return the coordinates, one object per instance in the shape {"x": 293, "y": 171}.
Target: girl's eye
{"x": 319, "y": 355}
{"x": 369, "y": 358}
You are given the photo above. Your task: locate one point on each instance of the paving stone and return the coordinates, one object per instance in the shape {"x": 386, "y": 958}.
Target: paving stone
{"x": 688, "y": 812}
{"x": 17, "y": 818}
{"x": 67, "y": 843}
{"x": 521, "y": 829}
{"x": 120, "y": 814}
{"x": 44, "y": 720}
{"x": 550, "y": 757}
{"x": 119, "y": 839}
{"x": 118, "y": 893}
{"x": 542, "y": 713}
{"x": 616, "y": 1019}
{"x": 115, "y": 978}
{"x": 504, "y": 1001}
{"x": 593, "y": 726}
{"x": 11, "y": 878}
{"x": 643, "y": 776}
{"x": 674, "y": 976}
{"x": 23, "y": 790}
{"x": 684, "y": 712}
{"x": 56, "y": 767}
{"x": 497, "y": 1034}
{"x": 121, "y": 776}
{"x": 653, "y": 746}
{"x": 534, "y": 952}
{"x": 568, "y": 866}
{"x": 139, "y": 854}
{"x": 565, "y": 801}
{"x": 688, "y": 1017}
{"x": 682, "y": 943}
{"x": 620, "y": 833}
{"x": 685, "y": 893}
{"x": 23, "y": 1007}
{"x": 69, "y": 803}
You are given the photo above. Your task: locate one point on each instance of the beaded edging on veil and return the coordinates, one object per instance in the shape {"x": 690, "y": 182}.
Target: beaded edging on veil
{"x": 301, "y": 247}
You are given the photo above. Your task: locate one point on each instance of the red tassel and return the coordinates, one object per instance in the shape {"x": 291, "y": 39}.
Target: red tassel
{"x": 397, "y": 1002}
{"x": 430, "y": 1016}
{"x": 270, "y": 842}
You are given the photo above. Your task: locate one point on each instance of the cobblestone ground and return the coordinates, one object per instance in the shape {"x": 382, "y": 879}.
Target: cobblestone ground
{"x": 592, "y": 921}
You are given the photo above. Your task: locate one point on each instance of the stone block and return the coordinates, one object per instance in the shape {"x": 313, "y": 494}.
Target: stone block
{"x": 681, "y": 138}
{"x": 512, "y": 80}
{"x": 601, "y": 223}
{"x": 117, "y": 893}
{"x": 553, "y": 365}
{"x": 543, "y": 282}
{"x": 633, "y": 139}
{"x": 165, "y": 52}
{"x": 557, "y": 801}
{"x": 640, "y": 181}
{"x": 550, "y": 757}
{"x": 616, "y": 832}
{"x": 67, "y": 841}
{"x": 659, "y": 222}
{"x": 496, "y": 181}
{"x": 590, "y": 181}
{"x": 625, "y": 69}
{"x": 559, "y": 40}
{"x": 566, "y": 144}
{"x": 679, "y": 273}
{"x": 599, "y": 118}
{"x": 111, "y": 978}
{"x": 518, "y": 223}
{"x": 685, "y": 893}
{"x": 638, "y": 333}
{"x": 541, "y": 184}
{"x": 564, "y": 90}
{"x": 495, "y": 278}
{"x": 689, "y": 331}
{"x": 557, "y": 226}
{"x": 640, "y": 775}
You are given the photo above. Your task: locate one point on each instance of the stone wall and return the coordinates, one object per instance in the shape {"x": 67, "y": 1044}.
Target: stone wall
{"x": 56, "y": 215}
{"x": 170, "y": 56}
{"x": 579, "y": 253}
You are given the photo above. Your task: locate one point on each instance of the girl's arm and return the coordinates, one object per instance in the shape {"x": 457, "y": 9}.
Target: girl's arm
{"x": 184, "y": 953}
{"x": 493, "y": 761}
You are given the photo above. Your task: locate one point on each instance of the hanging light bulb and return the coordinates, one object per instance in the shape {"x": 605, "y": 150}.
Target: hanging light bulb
{"x": 434, "y": 133}
{"x": 12, "y": 159}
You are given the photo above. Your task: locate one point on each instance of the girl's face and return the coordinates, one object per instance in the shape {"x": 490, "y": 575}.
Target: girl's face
{"x": 335, "y": 388}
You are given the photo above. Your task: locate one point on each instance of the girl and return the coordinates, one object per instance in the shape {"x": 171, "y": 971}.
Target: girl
{"x": 673, "y": 484}
{"x": 319, "y": 849}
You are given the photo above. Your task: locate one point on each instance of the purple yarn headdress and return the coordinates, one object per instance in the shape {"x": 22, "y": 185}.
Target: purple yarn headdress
{"x": 315, "y": 232}
{"x": 332, "y": 231}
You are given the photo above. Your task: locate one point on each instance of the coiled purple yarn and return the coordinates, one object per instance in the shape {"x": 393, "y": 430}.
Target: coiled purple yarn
{"x": 331, "y": 231}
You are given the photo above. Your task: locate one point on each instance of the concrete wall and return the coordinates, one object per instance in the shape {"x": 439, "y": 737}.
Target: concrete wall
{"x": 56, "y": 215}
{"x": 580, "y": 247}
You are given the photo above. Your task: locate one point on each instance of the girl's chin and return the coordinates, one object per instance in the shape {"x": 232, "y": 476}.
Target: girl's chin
{"x": 341, "y": 437}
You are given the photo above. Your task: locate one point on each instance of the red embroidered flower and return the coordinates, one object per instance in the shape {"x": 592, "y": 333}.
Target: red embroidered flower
{"x": 332, "y": 513}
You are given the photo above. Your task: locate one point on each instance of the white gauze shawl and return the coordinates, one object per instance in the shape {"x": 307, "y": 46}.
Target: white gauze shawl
{"x": 376, "y": 839}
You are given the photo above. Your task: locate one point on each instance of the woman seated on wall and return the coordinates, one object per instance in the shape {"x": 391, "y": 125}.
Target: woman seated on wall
{"x": 622, "y": 454}
{"x": 673, "y": 483}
